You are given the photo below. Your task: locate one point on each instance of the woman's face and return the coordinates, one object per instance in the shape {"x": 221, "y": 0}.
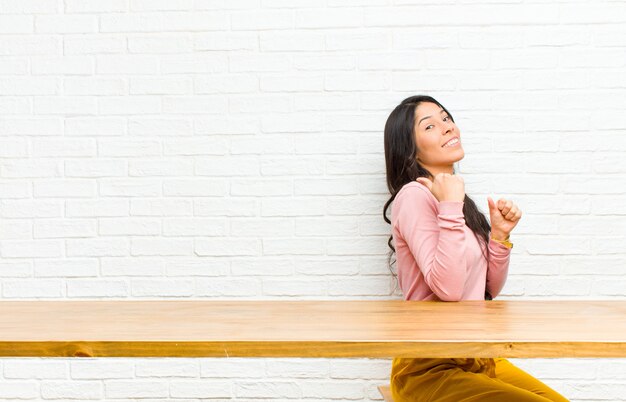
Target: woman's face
{"x": 433, "y": 129}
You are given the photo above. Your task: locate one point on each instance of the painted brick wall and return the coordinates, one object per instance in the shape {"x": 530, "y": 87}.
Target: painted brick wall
{"x": 190, "y": 149}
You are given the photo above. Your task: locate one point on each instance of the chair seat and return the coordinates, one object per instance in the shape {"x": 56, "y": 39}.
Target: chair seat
{"x": 385, "y": 391}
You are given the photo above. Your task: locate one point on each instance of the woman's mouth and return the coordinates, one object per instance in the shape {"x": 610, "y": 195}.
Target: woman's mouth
{"x": 452, "y": 142}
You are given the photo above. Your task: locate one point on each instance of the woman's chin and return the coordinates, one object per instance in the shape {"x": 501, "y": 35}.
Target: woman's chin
{"x": 460, "y": 155}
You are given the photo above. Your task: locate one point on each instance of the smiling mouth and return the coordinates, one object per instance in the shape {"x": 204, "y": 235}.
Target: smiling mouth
{"x": 453, "y": 141}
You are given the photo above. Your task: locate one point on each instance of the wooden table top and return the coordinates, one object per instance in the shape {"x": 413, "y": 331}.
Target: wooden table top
{"x": 353, "y": 328}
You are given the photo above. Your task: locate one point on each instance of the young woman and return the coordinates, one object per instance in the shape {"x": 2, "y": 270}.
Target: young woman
{"x": 446, "y": 250}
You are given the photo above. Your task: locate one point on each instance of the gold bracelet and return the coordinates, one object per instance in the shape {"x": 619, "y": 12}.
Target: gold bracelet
{"x": 504, "y": 242}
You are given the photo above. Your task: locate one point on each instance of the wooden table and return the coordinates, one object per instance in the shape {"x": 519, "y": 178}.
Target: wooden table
{"x": 364, "y": 328}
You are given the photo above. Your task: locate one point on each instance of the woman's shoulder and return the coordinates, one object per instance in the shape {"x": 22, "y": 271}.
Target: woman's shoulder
{"x": 415, "y": 189}
{"x": 413, "y": 199}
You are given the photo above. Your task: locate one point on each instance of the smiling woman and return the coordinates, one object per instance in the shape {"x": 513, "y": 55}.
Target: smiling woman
{"x": 415, "y": 133}
{"x": 446, "y": 250}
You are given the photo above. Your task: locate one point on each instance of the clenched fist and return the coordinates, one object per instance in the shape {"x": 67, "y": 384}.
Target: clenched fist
{"x": 445, "y": 187}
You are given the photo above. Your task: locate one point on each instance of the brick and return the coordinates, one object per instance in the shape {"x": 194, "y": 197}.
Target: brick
{"x": 97, "y": 247}
{"x": 160, "y": 86}
{"x": 132, "y": 266}
{"x": 294, "y": 83}
{"x": 229, "y": 287}
{"x": 324, "y": 62}
{"x": 195, "y": 105}
{"x": 13, "y": 66}
{"x": 27, "y": 208}
{"x": 161, "y": 207}
{"x": 101, "y": 369}
{"x": 36, "y": 370}
{"x": 233, "y": 367}
{"x": 48, "y": 147}
{"x": 279, "y": 266}
{"x": 359, "y": 81}
{"x": 160, "y": 167}
{"x": 160, "y": 5}
{"x": 194, "y": 187}
{"x": 295, "y": 287}
{"x": 160, "y": 44}
{"x": 200, "y": 389}
{"x": 94, "y": 44}
{"x": 262, "y": 19}
{"x": 65, "y": 228}
{"x": 16, "y": 24}
{"x": 48, "y": 288}
{"x": 291, "y": 41}
{"x": 28, "y": 86}
{"x": 194, "y": 227}
{"x": 19, "y": 389}
{"x": 161, "y": 247}
{"x": 95, "y": 6}
{"x": 291, "y": 246}
{"x": 29, "y": 45}
{"x": 16, "y": 270}
{"x": 228, "y": 207}
{"x": 152, "y": 126}
{"x": 63, "y": 24}
{"x": 376, "y": 285}
{"x": 128, "y": 105}
{"x": 136, "y": 389}
{"x": 94, "y": 86}
{"x": 91, "y": 288}
{"x": 259, "y": 62}
{"x": 326, "y": 266}
{"x": 95, "y": 168}
{"x": 335, "y": 389}
{"x": 67, "y": 267}
{"x": 264, "y": 227}
{"x": 360, "y": 246}
{"x": 261, "y": 187}
{"x": 329, "y": 18}
{"x": 172, "y": 21}
{"x": 299, "y": 206}
{"x": 69, "y": 65}
{"x": 126, "y": 64}
{"x": 227, "y": 41}
{"x": 13, "y": 148}
{"x": 197, "y": 267}
{"x": 96, "y": 208}
{"x": 228, "y": 247}
{"x": 325, "y": 227}
{"x": 298, "y": 368}
{"x": 66, "y": 106}
{"x": 28, "y": 6}
{"x": 162, "y": 287}
{"x": 174, "y": 368}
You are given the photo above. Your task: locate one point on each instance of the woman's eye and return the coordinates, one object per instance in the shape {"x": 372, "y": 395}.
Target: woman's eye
{"x": 428, "y": 126}
{"x": 447, "y": 117}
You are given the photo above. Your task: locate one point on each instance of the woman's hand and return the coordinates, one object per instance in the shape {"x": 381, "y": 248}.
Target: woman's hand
{"x": 504, "y": 217}
{"x": 445, "y": 187}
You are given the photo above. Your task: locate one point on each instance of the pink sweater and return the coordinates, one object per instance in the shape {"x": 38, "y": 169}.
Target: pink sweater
{"x": 438, "y": 256}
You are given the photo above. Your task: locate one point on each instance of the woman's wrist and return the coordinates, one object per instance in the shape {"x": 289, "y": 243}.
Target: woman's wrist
{"x": 499, "y": 236}
{"x": 502, "y": 239}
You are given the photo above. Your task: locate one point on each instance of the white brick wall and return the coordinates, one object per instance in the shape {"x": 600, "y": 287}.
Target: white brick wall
{"x": 218, "y": 150}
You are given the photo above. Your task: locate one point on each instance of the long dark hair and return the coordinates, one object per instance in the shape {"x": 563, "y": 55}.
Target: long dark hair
{"x": 402, "y": 167}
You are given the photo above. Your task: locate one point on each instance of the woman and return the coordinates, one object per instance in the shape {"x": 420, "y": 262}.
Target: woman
{"x": 446, "y": 250}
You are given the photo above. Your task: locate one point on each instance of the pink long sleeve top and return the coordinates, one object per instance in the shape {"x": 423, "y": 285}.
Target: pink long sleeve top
{"x": 438, "y": 257}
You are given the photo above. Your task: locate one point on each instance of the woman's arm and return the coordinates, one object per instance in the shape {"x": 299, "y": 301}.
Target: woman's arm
{"x": 497, "y": 267}
{"x": 436, "y": 240}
